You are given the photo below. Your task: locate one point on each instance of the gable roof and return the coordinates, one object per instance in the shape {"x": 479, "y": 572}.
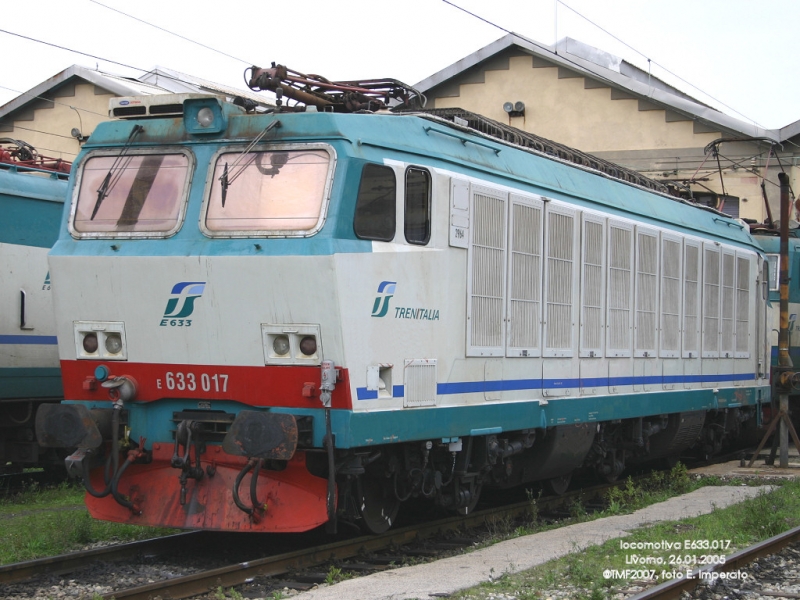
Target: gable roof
{"x": 180, "y": 83}
{"x": 157, "y": 81}
{"x": 592, "y": 63}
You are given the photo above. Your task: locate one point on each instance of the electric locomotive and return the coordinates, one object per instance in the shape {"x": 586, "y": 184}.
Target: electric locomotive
{"x": 32, "y": 193}
{"x": 275, "y": 321}
{"x": 769, "y": 240}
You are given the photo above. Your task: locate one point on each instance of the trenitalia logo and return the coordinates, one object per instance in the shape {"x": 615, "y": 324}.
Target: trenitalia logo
{"x": 181, "y": 304}
{"x": 385, "y": 292}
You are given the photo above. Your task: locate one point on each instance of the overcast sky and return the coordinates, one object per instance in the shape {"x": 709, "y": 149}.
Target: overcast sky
{"x": 737, "y": 52}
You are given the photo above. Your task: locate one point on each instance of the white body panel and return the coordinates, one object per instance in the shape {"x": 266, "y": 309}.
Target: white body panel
{"x": 24, "y": 269}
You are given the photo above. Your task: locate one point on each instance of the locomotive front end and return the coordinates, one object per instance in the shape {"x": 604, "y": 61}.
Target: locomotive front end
{"x": 193, "y": 300}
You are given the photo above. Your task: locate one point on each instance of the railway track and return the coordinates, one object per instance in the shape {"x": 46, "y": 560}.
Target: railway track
{"x": 738, "y": 561}
{"x": 66, "y": 563}
{"x": 367, "y": 549}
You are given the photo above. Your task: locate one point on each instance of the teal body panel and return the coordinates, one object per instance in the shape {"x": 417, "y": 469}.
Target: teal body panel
{"x": 357, "y": 140}
{"x": 30, "y": 383}
{"x": 771, "y": 244}
{"x": 31, "y": 205}
{"x": 357, "y": 429}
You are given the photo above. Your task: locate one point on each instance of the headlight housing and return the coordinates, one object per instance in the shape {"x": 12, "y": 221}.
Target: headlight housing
{"x": 291, "y": 344}
{"x": 100, "y": 340}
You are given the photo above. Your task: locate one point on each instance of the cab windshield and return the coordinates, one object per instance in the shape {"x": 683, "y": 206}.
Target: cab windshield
{"x": 131, "y": 195}
{"x": 279, "y": 192}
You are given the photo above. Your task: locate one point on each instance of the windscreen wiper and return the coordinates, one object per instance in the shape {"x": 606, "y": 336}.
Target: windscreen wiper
{"x": 115, "y": 172}
{"x": 225, "y": 180}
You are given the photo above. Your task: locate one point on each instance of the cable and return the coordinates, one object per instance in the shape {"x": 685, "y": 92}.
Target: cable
{"x": 35, "y": 97}
{"x": 172, "y": 33}
{"x": 596, "y": 75}
{"x": 588, "y": 20}
{"x": 127, "y": 66}
{"x": 25, "y": 37}
{"x": 69, "y": 137}
{"x": 472, "y": 14}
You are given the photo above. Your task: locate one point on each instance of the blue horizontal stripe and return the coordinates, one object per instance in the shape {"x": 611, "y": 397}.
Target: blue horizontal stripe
{"x": 508, "y": 385}
{"x": 398, "y": 391}
{"x": 42, "y": 340}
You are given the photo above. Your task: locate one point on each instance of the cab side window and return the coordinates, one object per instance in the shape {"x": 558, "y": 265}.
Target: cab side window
{"x": 375, "y": 205}
{"x": 418, "y": 206}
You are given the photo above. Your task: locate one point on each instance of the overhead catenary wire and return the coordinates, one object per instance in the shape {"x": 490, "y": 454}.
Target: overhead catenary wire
{"x": 61, "y": 135}
{"x": 108, "y": 60}
{"x": 649, "y": 60}
{"x": 530, "y": 41}
{"x": 96, "y": 57}
{"x": 172, "y": 33}
{"x": 45, "y": 98}
{"x": 562, "y": 57}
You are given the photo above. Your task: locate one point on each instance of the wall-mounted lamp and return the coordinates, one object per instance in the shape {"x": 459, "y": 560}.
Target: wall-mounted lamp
{"x": 514, "y": 109}
{"x": 76, "y": 133}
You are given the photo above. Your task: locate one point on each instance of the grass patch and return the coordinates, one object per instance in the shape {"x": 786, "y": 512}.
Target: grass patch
{"x": 34, "y": 497}
{"x": 581, "y": 573}
{"x": 44, "y": 522}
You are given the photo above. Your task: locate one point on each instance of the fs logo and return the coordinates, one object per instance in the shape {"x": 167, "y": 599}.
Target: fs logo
{"x": 181, "y": 304}
{"x": 385, "y": 291}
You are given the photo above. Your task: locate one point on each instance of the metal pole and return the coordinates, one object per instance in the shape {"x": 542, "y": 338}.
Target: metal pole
{"x": 784, "y": 360}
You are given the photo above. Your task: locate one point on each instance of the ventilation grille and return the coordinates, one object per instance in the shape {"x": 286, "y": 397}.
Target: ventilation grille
{"x": 487, "y": 277}
{"x": 742, "y": 306}
{"x": 156, "y": 105}
{"x": 420, "y": 382}
{"x": 619, "y": 290}
{"x": 560, "y": 243}
{"x": 691, "y": 305}
{"x": 646, "y": 293}
{"x": 728, "y": 306}
{"x": 525, "y": 286}
{"x": 710, "y": 302}
{"x": 670, "y": 297}
{"x": 592, "y": 289}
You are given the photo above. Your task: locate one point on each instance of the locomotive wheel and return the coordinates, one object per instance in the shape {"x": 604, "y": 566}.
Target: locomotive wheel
{"x": 377, "y": 503}
{"x": 559, "y": 485}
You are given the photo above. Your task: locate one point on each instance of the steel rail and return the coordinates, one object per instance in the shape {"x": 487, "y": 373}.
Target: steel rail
{"x": 182, "y": 587}
{"x": 64, "y": 563}
{"x": 231, "y": 575}
{"x": 737, "y": 560}
{"x": 237, "y": 574}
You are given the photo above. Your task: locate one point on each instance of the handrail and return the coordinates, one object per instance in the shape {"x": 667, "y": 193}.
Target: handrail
{"x": 464, "y": 141}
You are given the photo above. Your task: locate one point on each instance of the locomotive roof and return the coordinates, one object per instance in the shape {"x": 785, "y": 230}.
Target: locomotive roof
{"x": 618, "y": 190}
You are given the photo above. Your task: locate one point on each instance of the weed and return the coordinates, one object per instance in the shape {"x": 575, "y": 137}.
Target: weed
{"x": 533, "y": 505}
{"x": 577, "y": 509}
{"x": 679, "y": 480}
{"x": 335, "y": 575}
{"x": 500, "y": 527}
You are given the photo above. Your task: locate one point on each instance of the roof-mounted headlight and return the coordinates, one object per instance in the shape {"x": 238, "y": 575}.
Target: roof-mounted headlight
{"x": 203, "y": 115}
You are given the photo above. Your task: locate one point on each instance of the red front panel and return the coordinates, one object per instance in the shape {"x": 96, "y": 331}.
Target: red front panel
{"x": 256, "y": 386}
{"x": 291, "y": 500}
